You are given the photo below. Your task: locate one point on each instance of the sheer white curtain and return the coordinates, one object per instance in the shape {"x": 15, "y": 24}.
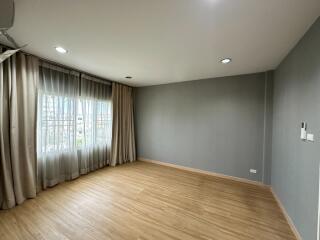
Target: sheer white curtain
{"x": 74, "y": 125}
{"x": 94, "y": 124}
{"x": 57, "y": 159}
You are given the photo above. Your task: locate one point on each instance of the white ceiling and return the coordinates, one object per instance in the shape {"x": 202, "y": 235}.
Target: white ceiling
{"x": 163, "y": 41}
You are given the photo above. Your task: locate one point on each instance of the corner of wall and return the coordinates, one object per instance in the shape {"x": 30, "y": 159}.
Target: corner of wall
{"x": 267, "y": 127}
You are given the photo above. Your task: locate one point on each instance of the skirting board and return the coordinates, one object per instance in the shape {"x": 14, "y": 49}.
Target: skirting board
{"x": 195, "y": 170}
{"x": 286, "y": 215}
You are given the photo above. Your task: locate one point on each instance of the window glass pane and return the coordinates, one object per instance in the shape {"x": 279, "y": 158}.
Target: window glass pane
{"x": 103, "y": 122}
{"x": 68, "y": 123}
{"x": 56, "y": 123}
{"x": 92, "y": 122}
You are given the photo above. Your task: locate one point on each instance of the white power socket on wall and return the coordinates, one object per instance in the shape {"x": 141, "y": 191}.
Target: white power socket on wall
{"x": 310, "y": 137}
{"x": 253, "y": 171}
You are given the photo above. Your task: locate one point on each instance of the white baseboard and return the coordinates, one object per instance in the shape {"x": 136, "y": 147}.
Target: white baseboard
{"x": 195, "y": 170}
{"x": 286, "y": 215}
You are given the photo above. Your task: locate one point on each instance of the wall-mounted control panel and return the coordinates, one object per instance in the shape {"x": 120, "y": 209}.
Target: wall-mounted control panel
{"x": 304, "y": 135}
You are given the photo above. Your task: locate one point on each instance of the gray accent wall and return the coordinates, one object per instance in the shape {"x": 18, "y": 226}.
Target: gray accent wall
{"x": 219, "y": 125}
{"x": 295, "y": 164}
{"x": 229, "y": 125}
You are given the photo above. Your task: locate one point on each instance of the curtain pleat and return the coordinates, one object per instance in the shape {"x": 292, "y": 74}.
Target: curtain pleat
{"x": 123, "y": 148}
{"x": 18, "y": 94}
{"x": 91, "y": 88}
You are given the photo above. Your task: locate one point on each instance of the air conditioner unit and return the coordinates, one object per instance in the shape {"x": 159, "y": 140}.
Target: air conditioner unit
{"x": 6, "y": 14}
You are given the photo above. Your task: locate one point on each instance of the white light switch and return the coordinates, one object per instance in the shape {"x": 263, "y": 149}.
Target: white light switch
{"x": 253, "y": 171}
{"x": 303, "y": 134}
{"x": 310, "y": 137}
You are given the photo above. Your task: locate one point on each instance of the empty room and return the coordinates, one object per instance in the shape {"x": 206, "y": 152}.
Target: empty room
{"x": 160, "y": 119}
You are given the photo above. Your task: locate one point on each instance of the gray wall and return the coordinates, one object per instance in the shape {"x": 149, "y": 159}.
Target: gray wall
{"x": 295, "y": 164}
{"x": 229, "y": 125}
{"x": 217, "y": 125}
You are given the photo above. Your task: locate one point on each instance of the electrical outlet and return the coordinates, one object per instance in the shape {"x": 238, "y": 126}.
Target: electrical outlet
{"x": 310, "y": 137}
{"x": 253, "y": 171}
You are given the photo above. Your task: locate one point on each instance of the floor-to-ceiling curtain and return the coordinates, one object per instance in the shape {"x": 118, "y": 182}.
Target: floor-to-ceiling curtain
{"x": 123, "y": 138}
{"x": 74, "y": 125}
{"x": 57, "y": 159}
{"x": 18, "y": 94}
{"x": 96, "y": 124}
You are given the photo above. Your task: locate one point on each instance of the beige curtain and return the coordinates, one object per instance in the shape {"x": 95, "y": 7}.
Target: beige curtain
{"x": 18, "y": 94}
{"x": 123, "y": 139}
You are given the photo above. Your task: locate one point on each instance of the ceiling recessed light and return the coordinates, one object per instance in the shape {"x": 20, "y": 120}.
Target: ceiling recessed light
{"x": 61, "y": 50}
{"x": 128, "y": 77}
{"x": 226, "y": 60}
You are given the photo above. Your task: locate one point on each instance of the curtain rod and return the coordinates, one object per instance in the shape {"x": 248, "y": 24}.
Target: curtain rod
{"x": 49, "y": 62}
{"x": 103, "y": 80}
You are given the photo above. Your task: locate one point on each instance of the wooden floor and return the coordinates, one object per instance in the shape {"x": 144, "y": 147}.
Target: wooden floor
{"x": 148, "y": 201}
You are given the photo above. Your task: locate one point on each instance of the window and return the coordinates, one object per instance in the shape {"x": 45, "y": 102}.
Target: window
{"x": 68, "y": 123}
{"x": 104, "y": 122}
{"x": 94, "y": 122}
{"x": 74, "y": 124}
